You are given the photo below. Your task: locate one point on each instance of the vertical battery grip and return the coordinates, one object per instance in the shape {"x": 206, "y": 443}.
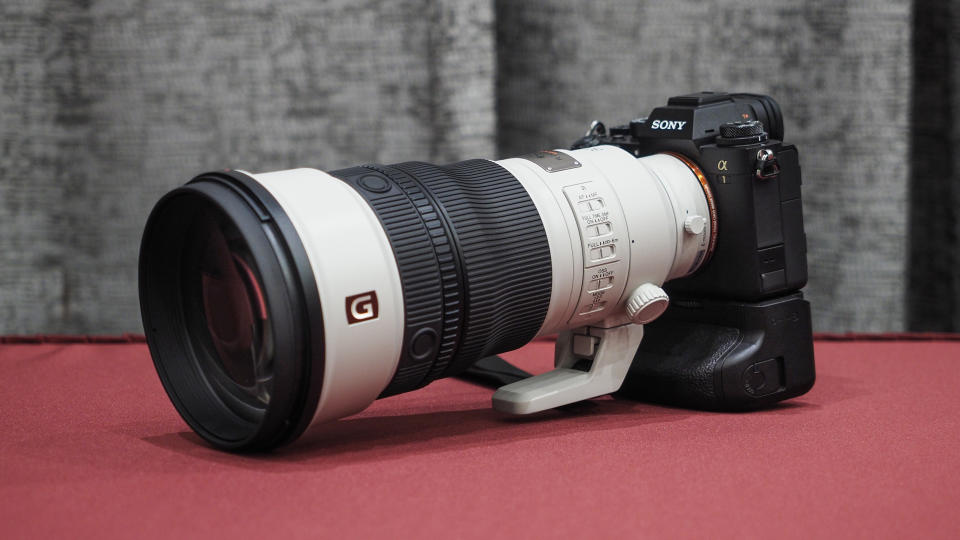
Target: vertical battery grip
{"x": 725, "y": 355}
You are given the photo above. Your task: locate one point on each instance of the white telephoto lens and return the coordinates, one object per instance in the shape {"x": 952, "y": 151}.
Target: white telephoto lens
{"x": 276, "y": 301}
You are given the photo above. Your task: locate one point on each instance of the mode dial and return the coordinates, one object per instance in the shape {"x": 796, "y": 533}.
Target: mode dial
{"x": 744, "y": 132}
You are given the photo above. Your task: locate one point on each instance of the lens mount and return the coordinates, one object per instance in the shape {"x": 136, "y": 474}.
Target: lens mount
{"x": 231, "y": 312}
{"x": 711, "y": 205}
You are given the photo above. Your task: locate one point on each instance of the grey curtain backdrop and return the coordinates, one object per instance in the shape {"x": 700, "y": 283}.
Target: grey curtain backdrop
{"x": 107, "y": 105}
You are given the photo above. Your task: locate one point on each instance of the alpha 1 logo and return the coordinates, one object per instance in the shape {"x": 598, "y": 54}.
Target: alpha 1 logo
{"x": 362, "y": 307}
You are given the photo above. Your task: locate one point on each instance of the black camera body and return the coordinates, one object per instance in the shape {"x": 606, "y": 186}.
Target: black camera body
{"x": 737, "y": 334}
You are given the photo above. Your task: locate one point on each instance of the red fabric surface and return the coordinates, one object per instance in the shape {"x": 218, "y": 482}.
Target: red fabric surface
{"x": 91, "y": 447}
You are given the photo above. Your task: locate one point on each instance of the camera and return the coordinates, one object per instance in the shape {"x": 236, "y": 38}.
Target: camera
{"x": 737, "y": 334}
{"x": 273, "y": 302}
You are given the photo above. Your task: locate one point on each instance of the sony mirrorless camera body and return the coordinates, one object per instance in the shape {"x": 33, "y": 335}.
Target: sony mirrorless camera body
{"x": 737, "y": 334}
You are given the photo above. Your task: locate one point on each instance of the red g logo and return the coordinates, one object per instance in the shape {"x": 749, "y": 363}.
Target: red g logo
{"x": 362, "y": 307}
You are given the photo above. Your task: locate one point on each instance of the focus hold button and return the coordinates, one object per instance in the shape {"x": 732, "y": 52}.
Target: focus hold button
{"x": 375, "y": 184}
{"x": 646, "y": 303}
{"x": 423, "y": 343}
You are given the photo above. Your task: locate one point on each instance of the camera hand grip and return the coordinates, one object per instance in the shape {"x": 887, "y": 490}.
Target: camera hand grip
{"x": 725, "y": 355}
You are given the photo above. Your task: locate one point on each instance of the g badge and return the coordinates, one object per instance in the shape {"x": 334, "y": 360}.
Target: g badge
{"x": 362, "y": 307}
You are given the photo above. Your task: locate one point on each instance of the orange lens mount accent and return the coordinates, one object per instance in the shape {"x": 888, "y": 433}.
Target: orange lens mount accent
{"x": 711, "y": 202}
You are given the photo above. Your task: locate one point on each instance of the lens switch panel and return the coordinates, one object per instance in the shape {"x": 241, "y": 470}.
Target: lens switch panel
{"x": 603, "y": 236}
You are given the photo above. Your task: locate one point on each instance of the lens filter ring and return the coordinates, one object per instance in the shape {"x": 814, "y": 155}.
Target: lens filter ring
{"x": 231, "y": 312}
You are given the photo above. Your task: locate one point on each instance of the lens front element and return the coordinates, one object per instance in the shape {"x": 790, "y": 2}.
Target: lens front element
{"x": 236, "y": 324}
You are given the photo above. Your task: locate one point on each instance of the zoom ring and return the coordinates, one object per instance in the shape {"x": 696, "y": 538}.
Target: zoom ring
{"x": 429, "y": 273}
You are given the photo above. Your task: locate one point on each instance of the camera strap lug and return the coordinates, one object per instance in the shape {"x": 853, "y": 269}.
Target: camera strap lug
{"x": 590, "y": 362}
{"x": 766, "y": 165}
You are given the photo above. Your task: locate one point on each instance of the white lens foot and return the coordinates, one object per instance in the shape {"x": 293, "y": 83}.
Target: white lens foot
{"x": 590, "y": 362}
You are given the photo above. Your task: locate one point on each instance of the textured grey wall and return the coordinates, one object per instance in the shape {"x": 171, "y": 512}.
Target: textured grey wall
{"x": 106, "y": 105}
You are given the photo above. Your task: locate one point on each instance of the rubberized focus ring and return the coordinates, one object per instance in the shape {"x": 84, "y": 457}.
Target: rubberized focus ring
{"x": 473, "y": 259}
{"x": 428, "y": 270}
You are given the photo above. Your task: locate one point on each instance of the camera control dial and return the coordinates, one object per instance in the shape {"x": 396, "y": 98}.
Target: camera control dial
{"x": 744, "y": 132}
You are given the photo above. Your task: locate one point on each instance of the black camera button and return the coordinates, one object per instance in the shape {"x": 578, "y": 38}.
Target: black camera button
{"x": 771, "y": 259}
{"x": 423, "y": 343}
{"x": 753, "y": 380}
{"x": 763, "y": 378}
{"x": 772, "y": 281}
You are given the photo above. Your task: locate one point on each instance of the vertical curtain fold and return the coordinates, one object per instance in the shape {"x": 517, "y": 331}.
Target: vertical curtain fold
{"x": 933, "y": 268}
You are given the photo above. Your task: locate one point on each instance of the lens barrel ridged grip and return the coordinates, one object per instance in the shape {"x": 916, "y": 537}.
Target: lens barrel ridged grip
{"x": 473, "y": 259}
{"x": 504, "y": 254}
{"x": 428, "y": 274}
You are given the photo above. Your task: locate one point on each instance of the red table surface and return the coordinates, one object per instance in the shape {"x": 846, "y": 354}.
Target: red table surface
{"x": 91, "y": 447}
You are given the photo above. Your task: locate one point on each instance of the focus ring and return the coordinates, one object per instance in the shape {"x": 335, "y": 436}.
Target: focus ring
{"x": 504, "y": 252}
{"x": 451, "y": 283}
{"x": 473, "y": 259}
{"x": 425, "y": 261}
